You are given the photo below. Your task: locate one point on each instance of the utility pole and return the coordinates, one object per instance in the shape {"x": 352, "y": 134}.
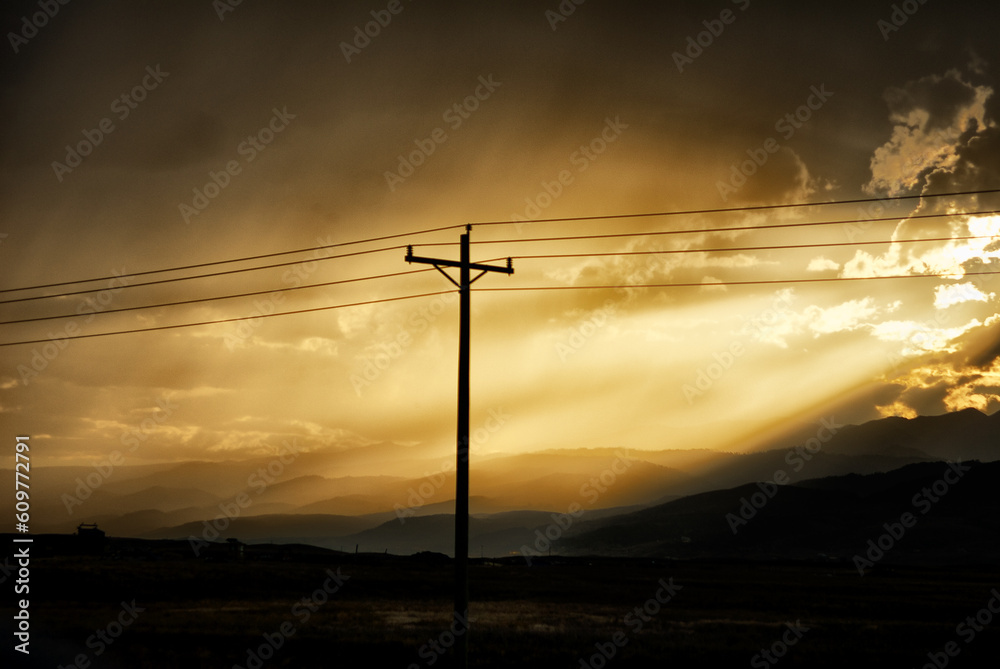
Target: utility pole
{"x": 464, "y": 284}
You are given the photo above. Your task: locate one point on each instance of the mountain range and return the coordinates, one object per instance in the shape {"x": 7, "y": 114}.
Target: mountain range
{"x": 821, "y": 491}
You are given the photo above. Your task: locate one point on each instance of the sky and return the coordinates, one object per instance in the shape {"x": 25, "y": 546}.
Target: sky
{"x": 141, "y": 136}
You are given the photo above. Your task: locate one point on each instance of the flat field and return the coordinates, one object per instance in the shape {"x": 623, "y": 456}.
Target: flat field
{"x": 394, "y": 612}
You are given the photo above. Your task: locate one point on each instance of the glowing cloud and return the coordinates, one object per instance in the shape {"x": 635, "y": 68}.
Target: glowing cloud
{"x": 821, "y": 264}
{"x": 948, "y": 258}
{"x": 947, "y": 295}
{"x": 950, "y": 389}
{"x": 843, "y": 317}
{"x": 920, "y": 338}
{"x": 925, "y": 135}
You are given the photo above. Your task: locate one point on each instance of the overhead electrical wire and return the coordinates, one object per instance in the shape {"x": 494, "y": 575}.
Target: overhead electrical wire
{"x": 523, "y": 257}
{"x": 215, "y": 298}
{"x": 738, "y": 228}
{"x": 495, "y": 223}
{"x": 713, "y": 284}
{"x": 197, "y": 276}
{"x": 245, "y": 258}
{"x": 774, "y": 247}
{"x": 545, "y": 239}
{"x": 760, "y": 207}
{"x": 225, "y": 320}
{"x": 755, "y": 282}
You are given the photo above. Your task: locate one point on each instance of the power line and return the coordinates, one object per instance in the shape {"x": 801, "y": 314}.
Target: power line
{"x": 756, "y": 282}
{"x": 543, "y": 239}
{"x": 761, "y": 207}
{"x": 751, "y": 248}
{"x": 211, "y": 299}
{"x": 242, "y": 259}
{"x": 565, "y": 238}
{"x": 524, "y": 257}
{"x": 224, "y": 320}
{"x": 199, "y": 276}
{"x": 739, "y": 228}
{"x": 486, "y": 223}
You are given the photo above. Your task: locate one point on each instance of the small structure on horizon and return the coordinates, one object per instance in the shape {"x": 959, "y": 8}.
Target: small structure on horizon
{"x": 90, "y": 538}
{"x": 236, "y": 548}
{"x": 89, "y": 530}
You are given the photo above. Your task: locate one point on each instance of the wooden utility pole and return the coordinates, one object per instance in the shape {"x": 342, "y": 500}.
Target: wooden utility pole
{"x": 465, "y": 267}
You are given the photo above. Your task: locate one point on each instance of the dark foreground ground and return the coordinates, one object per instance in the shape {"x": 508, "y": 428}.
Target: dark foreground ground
{"x": 272, "y": 611}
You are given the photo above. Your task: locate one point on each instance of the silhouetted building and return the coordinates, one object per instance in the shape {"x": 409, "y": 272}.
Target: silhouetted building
{"x": 90, "y": 539}
{"x": 235, "y": 548}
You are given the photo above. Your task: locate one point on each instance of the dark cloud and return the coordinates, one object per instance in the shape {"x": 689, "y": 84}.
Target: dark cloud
{"x": 977, "y": 168}
{"x": 985, "y": 355}
{"x": 861, "y": 405}
{"x": 194, "y": 138}
{"x": 941, "y": 97}
{"x": 928, "y": 401}
{"x": 324, "y": 178}
{"x": 784, "y": 177}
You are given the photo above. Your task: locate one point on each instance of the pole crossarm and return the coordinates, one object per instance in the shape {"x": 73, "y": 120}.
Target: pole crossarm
{"x": 438, "y": 262}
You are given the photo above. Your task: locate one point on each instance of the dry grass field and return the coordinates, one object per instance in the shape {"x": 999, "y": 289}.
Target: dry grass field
{"x": 394, "y": 612}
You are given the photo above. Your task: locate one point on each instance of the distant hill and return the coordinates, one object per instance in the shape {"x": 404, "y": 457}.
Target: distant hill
{"x": 830, "y": 518}
{"x": 168, "y": 500}
{"x": 954, "y": 511}
{"x": 275, "y": 527}
{"x": 962, "y": 435}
